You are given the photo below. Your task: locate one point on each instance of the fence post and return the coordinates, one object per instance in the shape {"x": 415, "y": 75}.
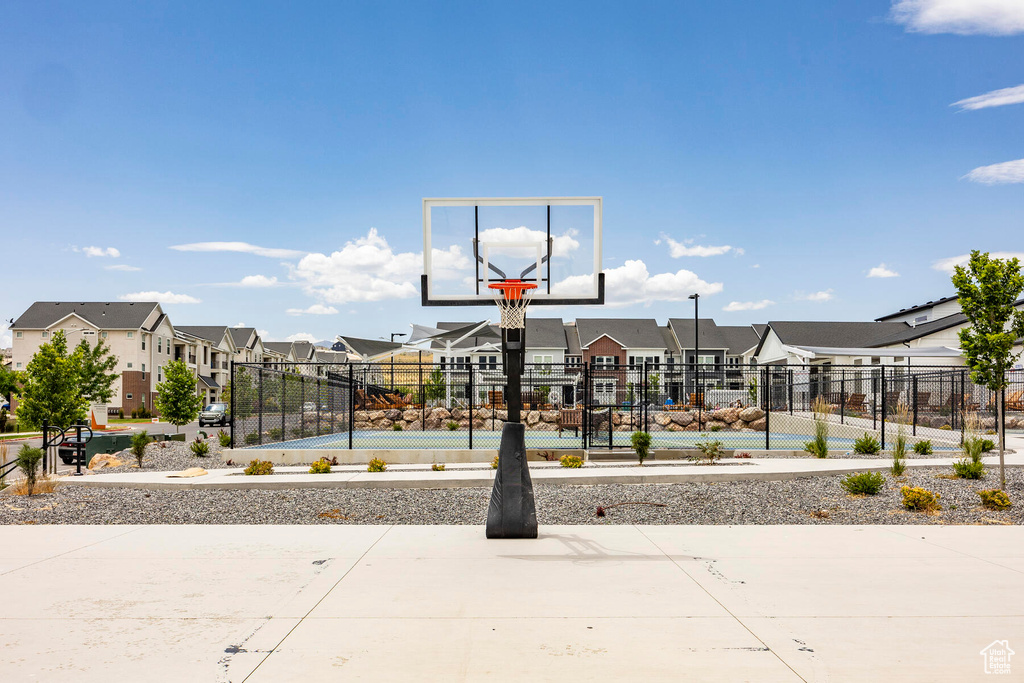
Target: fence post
{"x": 768, "y": 407}
{"x": 351, "y": 404}
{"x": 963, "y": 406}
{"x": 913, "y": 385}
{"x": 319, "y": 401}
{"x": 284, "y": 398}
{"x": 584, "y": 418}
{"x": 259, "y": 420}
{"x": 842, "y": 396}
{"x": 472, "y": 400}
{"x": 789, "y": 390}
{"x": 231, "y": 383}
{"x": 885, "y": 412}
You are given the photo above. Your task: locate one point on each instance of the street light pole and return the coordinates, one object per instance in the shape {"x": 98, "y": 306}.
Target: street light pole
{"x": 696, "y": 344}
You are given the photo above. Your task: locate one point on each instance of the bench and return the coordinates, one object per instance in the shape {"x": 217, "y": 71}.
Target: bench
{"x": 570, "y": 418}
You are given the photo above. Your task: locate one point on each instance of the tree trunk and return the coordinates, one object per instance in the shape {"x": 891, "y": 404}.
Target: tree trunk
{"x": 1000, "y": 434}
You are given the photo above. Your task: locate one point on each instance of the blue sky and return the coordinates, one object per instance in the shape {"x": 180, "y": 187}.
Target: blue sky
{"x": 820, "y": 142}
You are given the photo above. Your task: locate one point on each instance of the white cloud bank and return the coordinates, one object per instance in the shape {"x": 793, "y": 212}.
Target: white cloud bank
{"x": 5, "y": 340}
{"x": 239, "y": 247}
{"x": 946, "y": 265}
{"x": 631, "y": 283}
{"x": 257, "y": 281}
{"x": 160, "y": 297}
{"x": 748, "y": 305}
{"x": 965, "y": 17}
{"x": 882, "y": 271}
{"x": 688, "y": 248}
{"x": 824, "y": 295}
{"x": 367, "y": 269}
{"x": 315, "y": 309}
{"x": 123, "y": 267}
{"x": 301, "y": 336}
{"x": 996, "y": 98}
{"x": 1006, "y": 173}
{"x": 101, "y": 252}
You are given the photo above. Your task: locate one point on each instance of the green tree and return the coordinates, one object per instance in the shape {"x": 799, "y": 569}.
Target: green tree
{"x": 51, "y": 392}
{"x": 28, "y": 462}
{"x": 94, "y": 366}
{"x": 433, "y": 386}
{"x": 10, "y": 382}
{"x": 176, "y": 397}
{"x": 240, "y": 394}
{"x": 987, "y": 289}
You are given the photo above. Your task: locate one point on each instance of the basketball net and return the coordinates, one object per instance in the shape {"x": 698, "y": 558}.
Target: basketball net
{"x": 513, "y": 298}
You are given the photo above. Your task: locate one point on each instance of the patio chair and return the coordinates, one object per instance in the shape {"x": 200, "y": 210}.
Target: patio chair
{"x": 570, "y": 418}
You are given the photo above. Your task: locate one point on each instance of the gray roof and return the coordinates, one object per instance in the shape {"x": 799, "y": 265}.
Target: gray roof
{"x": 545, "y": 333}
{"x": 572, "y": 340}
{"x": 212, "y": 333}
{"x": 918, "y": 307}
{"x": 908, "y": 332}
{"x": 759, "y": 329}
{"x": 242, "y": 335}
{"x": 323, "y": 355}
{"x": 709, "y": 333}
{"x": 670, "y": 341}
{"x": 209, "y": 382}
{"x": 738, "y": 338}
{"x": 837, "y": 334}
{"x": 107, "y": 315}
{"x": 631, "y": 333}
{"x": 283, "y": 348}
{"x": 303, "y": 350}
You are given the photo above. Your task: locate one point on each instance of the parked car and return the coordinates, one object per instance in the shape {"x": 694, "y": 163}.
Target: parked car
{"x": 215, "y": 414}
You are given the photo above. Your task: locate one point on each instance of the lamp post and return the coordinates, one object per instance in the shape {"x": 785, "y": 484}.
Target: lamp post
{"x": 696, "y": 346}
{"x": 393, "y": 335}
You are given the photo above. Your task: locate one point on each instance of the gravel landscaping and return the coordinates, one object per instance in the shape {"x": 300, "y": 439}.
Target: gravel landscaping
{"x": 168, "y": 456}
{"x": 819, "y": 500}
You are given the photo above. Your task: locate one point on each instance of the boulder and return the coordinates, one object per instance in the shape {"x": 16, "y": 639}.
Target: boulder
{"x": 692, "y": 427}
{"x": 190, "y": 472}
{"x": 414, "y": 426}
{"x": 544, "y": 427}
{"x": 360, "y": 416}
{"x": 656, "y": 428}
{"x": 501, "y": 415}
{"x": 662, "y": 419}
{"x": 433, "y": 422}
{"x": 411, "y": 415}
{"x": 716, "y": 425}
{"x": 681, "y": 418}
{"x": 549, "y": 416}
{"x": 484, "y": 413}
{"x": 393, "y": 414}
{"x": 362, "y": 426}
{"x": 383, "y": 424}
{"x": 480, "y": 424}
{"x": 457, "y": 413}
{"x": 758, "y": 425}
{"x": 101, "y": 460}
{"x": 751, "y": 414}
{"x": 532, "y": 417}
{"x": 726, "y": 415}
{"x": 673, "y": 427}
{"x": 464, "y": 423}
{"x": 440, "y": 413}
{"x": 375, "y": 415}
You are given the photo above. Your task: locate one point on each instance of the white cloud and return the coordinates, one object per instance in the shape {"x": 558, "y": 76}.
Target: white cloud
{"x": 257, "y": 281}
{"x": 239, "y": 324}
{"x": 966, "y": 17}
{"x": 5, "y": 340}
{"x": 881, "y": 271}
{"x": 367, "y": 269}
{"x": 90, "y": 252}
{"x": 824, "y": 295}
{"x": 687, "y": 248}
{"x": 997, "y": 174}
{"x": 946, "y": 265}
{"x": 315, "y": 309}
{"x": 239, "y": 247}
{"x": 748, "y": 305}
{"x": 561, "y": 245}
{"x": 631, "y": 283}
{"x": 161, "y": 297}
{"x": 301, "y": 336}
{"x": 996, "y": 98}
{"x": 263, "y": 333}
{"x": 123, "y": 267}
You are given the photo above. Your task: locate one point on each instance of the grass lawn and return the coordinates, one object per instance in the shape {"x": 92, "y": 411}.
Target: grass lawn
{"x": 20, "y": 435}
{"x": 130, "y": 420}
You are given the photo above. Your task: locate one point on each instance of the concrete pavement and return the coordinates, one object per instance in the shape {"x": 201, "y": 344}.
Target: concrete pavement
{"x": 246, "y": 603}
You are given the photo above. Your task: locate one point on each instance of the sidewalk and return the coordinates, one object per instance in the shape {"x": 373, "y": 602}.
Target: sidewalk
{"x": 378, "y": 603}
{"x": 421, "y": 476}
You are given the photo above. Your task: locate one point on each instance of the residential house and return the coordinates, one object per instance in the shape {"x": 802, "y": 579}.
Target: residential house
{"x": 139, "y": 335}
{"x": 278, "y": 355}
{"x": 248, "y": 345}
{"x": 617, "y": 350}
{"x": 215, "y": 348}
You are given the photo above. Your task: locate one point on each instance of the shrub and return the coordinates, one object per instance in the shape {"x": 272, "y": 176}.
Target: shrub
{"x": 867, "y": 445}
{"x": 574, "y": 461}
{"x": 916, "y": 498}
{"x": 641, "y": 442}
{"x": 139, "y": 442}
{"x": 968, "y": 469}
{"x": 321, "y": 466}
{"x": 868, "y": 483}
{"x": 376, "y": 465}
{"x": 946, "y": 428}
{"x": 252, "y": 439}
{"x": 199, "y": 448}
{"x": 898, "y": 467}
{"x": 987, "y": 445}
{"x": 275, "y": 434}
{"x": 715, "y": 428}
{"x": 28, "y": 462}
{"x": 494, "y": 463}
{"x": 437, "y": 467}
{"x": 120, "y": 413}
{"x": 709, "y": 450}
{"x": 452, "y": 426}
{"x": 995, "y": 499}
{"x": 259, "y": 467}
{"x": 224, "y": 438}
{"x": 973, "y": 448}
{"x": 819, "y": 446}
{"x": 298, "y": 432}
{"x": 923, "y": 447}
{"x": 397, "y": 427}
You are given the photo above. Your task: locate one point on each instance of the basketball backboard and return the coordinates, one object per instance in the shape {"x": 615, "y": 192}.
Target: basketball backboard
{"x": 471, "y": 242}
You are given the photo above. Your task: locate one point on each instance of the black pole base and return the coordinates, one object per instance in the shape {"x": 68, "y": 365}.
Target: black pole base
{"x": 513, "y": 512}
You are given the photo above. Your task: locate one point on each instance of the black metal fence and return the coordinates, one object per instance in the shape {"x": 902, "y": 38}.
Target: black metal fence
{"x": 461, "y": 405}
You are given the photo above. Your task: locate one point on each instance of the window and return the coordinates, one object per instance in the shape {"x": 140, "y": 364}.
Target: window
{"x": 606, "y": 361}
{"x": 542, "y": 363}
{"x": 18, "y": 335}
{"x": 103, "y": 335}
{"x": 706, "y": 360}
{"x": 604, "y": 392}
{"x": 17, "y": 365}
{"x": 131, "y": 335}
{"x": 159, "y": 344}
{"x": 143, "y": 342}
{"x": 88, "y": 333}
{"x": 573, "y": 360}
{"x": 487, "y": 362}
{"x": 206, "y": 358}
{"x": 129, "y": 365}
{"x": 45, "y": 334}
{"x": 921, "y": 319}
{"x": 732, "y": 360}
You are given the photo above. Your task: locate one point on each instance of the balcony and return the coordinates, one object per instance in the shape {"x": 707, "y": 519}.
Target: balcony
{"x": 192, "y": 358}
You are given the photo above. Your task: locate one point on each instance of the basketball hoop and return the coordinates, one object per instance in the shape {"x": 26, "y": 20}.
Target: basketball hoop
{"x": 513, "y": 298}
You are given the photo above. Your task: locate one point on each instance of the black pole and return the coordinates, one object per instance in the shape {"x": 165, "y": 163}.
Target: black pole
{"x": 231, "y": 444}
{"x": 259, "y": 420}
{"x": 319, "y": 400}
{"x": 767, "y": 409}
{"x": 284, "y": 383}
{"x": 913, "y": 386}
{"x": 842, "y": 396}
{"x": 351, "y": 404}
{"x": 472, "y": 401}
{"x": 885, "y": 412}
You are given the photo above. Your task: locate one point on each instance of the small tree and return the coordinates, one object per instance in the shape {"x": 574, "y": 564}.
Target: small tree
{"x": 51, "y": 392}
{"x": 94, "y": 369}
{"x": 641, "y": 442}
{"x": 176, "y": 397}
{"x": 987, "y": 289}
{"x": 139, "y": 442}
{"x": 28, "y": 463}
{"x": 433, "y": 387}
{"x": 10, "y": 382}
{"x": 240, "y": 394}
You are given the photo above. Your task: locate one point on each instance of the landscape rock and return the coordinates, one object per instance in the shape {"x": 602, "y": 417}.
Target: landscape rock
{"x": 758, "y": 425}
{"x": 751, "y": 414}
{"x": 190, "y": 472}
{"x": 662, "y": 419}
{"x": 101, "y": 460}
{"x": 393, "y": 414}
{"x": 681, "y": 418}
